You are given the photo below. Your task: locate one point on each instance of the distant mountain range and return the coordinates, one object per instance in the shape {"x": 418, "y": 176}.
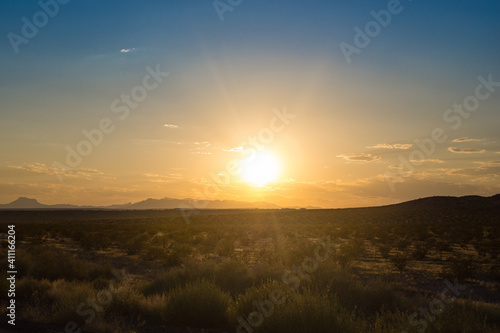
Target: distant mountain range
{"x": 165, "y": 203}
{"x": 472, "y": 202}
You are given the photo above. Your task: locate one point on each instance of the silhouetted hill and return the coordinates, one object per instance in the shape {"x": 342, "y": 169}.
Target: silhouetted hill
{"x": 448, "y": 202}
{"x": 28, "y": 203}
{"x": 24, "y": 203}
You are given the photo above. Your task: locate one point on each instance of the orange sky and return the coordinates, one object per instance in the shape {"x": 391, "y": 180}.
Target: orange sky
{"x": 133, "y": 104}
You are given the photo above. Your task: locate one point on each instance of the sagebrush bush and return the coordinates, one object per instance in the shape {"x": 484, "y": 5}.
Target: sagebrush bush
{"x": 467, "y": 317}
{"x": 244, "y": 303}
{"x": 420, "y": 251}
{"x": 166, "y": 281}
{"x": 176, "y": 276}
{"x": 136, "y": 244}
{"x": 32, "y": 289}
{"x": 460, "y": 267}
{"x": 52, "y": 301}
{"x": 45, "y": 262}
{"x": 263, "y": 272}
{"x": 68, "y": 295}
{"x": 198, "y": 304}
{"x": 352, "y": 293}
{"x": 233, "y": 276}
{"x": 126, "y": 302}
{"x": 399, "y": 261}
{"x": 302, "y": 312}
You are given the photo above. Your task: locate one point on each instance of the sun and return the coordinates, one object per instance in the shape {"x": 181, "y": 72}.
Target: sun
{"x": 260, "y": 169}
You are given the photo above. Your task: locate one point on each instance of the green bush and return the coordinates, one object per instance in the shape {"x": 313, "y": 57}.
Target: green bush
{"x": 53, "y": 302}
{"x": 136, "y": 244}
{"x": 467, "y": 317}
{"x": 263, "y": 272}
{"x": 166, "y": 281}
{"x": 244, "y": 303}
{"x": 125, "y": 302}
{"x": 45, "y": 262}
{"x": 233, "y": 276}
{"x": 68, "y": 295}
{"x": 32, "y": 289}
{"x": 399, "y": 261}
{"x": 384, "y": 250}
{"x": 460, "y": 267}
{"x": 302, "y": 312}
{"x": 198, "y": 304}
{"x": 420, "y": 251}
{"x": 368, "y": 299}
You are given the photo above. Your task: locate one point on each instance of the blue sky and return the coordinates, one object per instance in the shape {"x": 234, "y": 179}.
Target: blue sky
{"x": 225, "y": 78}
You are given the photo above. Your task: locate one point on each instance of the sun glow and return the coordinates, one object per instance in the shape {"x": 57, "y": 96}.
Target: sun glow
{"x": 260, "y": 169}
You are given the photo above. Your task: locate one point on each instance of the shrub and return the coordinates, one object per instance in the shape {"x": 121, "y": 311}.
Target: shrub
{"x": 166, "y": 281}
{"x": 384, "y": 250}
{"x": 353, "y": 295}
{"x": 45, "y": 262}
{"x": 126, "y": 302}
{"x": 200, "y": 304}
{"x": 53, "y": 301}
{"x": 29, "y": 288}
{"x": 68, "y": 296}
{"x": 244, "y": 304}
{"x": 233, "y": 276}
{"x": 402, "y": 244}
{"x": 345, "y": 255}
{"x": 263, "y": 272}
{"x": 420, "y": 251}
{"x": 461, "y": 267}
{"x": 302, "y": 312}
{"x": 399, "y": 261}
{"x": 466, "y": 316}
{"x": 177, "y": 254}
{"x": 225, "y": 247}
{"x": 443, "y": 246}
{"x": 136, "y": 244}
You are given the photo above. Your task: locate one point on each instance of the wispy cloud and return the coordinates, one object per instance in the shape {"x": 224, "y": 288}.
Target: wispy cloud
{"x": 127, "y": 50}
{"x": 201, "y": 153}
{"x": 235, "y": 149}
{"x": 203, "y": 143}
{"x": 41, "y": 168}
{"x": 205, "y": 148}
{"x": 466, "y": 139}
{"x": 359, "y": 157}
{"x": 466, "y": 150}
{"x": 489, "y": 163}
{"x": 156, "y": 178}
{"x": 429, "y": 160}
{"x": 170, "y": 126}
{"x": 485, "y": 170}
{"x": 402, "y": 146}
